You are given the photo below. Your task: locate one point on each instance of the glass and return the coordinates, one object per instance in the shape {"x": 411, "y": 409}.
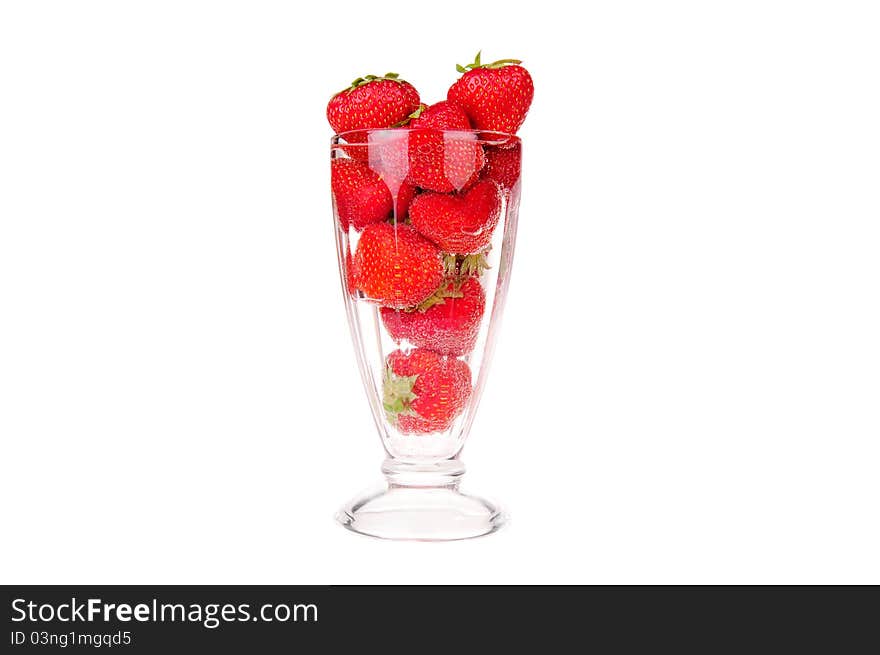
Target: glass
{"x": 425, "y": 224}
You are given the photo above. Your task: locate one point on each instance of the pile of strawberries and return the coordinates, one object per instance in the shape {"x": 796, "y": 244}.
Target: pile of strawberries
{"x": 425, "y": 195}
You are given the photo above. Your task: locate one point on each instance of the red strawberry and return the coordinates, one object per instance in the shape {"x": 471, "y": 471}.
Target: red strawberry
{"x": 503, "y": 165}
{"x": 396, "y": 266}
{"x": 443, "y": 115}
{"x": 446, "y": 322}
{"x": 424, "y": 392}
{"x": 458, "y": 224}
{"x": 495, "y": 96}
{"x": 438, "y": 160}
{"x": 372, "y": 102}
{"x": 362, "y": 197}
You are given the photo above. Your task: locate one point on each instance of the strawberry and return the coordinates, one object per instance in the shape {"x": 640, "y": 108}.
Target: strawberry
{"x": 447, "y": 322}
{"x": 495, "y": 96}
{"x": 396, "y": 266}
{"x": 424, "y": 392}
{"x": 503, "y": 165}
{"x": 443, "y": 115}
{"x": 372, "y": 102}
{"x": 458, "y": 224}
{"x": 441, "y": 161}
{"x": 362, "y": 197}
{"x": 360, "y": 194}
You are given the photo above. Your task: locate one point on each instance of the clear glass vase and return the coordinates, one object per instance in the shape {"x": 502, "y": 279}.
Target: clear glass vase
{"x": 425, "y": 224}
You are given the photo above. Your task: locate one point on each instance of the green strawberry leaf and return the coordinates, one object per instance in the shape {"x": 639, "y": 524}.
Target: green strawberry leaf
{"x": 439, "y": 297}
{"x": 501, "y": 62}
{"x": 477, "y": 63}
{"x": 397, "y": 394}
{"x": 366, "y": 79}
{"x": 461, "y": 267}
{"x": 474, "y": 265}
{"x": 450, "y": 265}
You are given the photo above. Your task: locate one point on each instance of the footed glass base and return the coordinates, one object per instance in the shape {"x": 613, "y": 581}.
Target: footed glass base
{"x": 421, "y": 514}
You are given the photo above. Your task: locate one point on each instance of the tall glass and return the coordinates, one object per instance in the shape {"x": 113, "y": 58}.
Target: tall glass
{"x": 425, "y": 224}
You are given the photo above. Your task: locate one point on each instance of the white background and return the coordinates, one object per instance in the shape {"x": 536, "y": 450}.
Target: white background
{"x": 687, "y": 384}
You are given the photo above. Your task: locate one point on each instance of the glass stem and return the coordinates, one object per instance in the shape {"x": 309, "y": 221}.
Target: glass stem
{"x": 441, "y": 473}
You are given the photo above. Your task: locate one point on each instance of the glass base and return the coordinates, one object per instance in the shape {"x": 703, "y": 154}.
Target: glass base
{"x": 421, "y": 514}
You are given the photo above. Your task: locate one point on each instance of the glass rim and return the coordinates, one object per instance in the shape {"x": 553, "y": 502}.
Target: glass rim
{"x": 494, "y": 136}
